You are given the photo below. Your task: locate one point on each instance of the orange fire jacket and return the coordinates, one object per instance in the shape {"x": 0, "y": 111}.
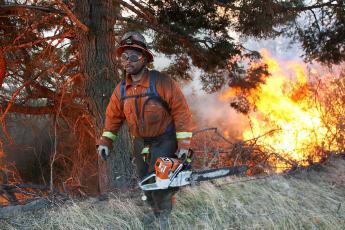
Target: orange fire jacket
{"x": 155, "y": 119}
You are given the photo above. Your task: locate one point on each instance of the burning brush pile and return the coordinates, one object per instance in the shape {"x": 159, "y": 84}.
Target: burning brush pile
{"x": 295, "y": 118}
{"x": 12, "y": 189}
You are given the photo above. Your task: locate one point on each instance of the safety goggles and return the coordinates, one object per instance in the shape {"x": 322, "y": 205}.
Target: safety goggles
{"x": 131, "y": 58}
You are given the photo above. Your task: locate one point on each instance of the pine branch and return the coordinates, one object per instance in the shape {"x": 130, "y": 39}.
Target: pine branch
{"x": 184, "y": 40}
{"x": 41, "y": 110}
{"x": 32, "y": 43}
{"x": 144, "y": 10}
{"x": 72, "y": 16}
{"x": 31, "y": 7}
{"x": 134, "y": 10}
{"x": 315, "y": 6}
{"x": 331, "y": 3}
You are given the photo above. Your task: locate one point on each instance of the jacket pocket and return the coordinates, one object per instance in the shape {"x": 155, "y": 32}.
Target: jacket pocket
{"x": 155, "y": 119}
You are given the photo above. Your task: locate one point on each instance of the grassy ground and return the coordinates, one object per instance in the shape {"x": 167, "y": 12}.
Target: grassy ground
{"x": 313, "y": 199}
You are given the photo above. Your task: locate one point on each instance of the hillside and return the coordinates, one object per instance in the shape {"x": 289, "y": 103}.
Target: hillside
{"x": 308, "y": 199}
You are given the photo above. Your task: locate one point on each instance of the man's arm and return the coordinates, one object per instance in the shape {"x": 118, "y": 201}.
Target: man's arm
{"x": 181, "y": 115}
{"x": 114, "y": 117}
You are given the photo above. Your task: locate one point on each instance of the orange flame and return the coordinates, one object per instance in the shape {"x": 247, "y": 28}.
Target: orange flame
{"x": 10, "y": 176}
{"x": 283, "y": 103}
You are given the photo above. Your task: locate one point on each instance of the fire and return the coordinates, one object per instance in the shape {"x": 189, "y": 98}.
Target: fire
{"x": 283, "y": 104}
{"x": 226, "y": 134}
{"x": 10, "y": 179}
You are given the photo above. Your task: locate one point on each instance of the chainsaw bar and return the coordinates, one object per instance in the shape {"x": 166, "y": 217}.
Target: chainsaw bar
{"x": 187, "y": 177}
{"x": 212, "y": 174}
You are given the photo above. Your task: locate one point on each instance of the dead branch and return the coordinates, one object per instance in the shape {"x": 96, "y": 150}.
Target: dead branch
{"x": 212, "y": 129}
{"x": 330, "y": 3}
{"x": 9, "y": 211}
{"x": 143, "y": 14}
{"x": 10, "y": 104}
{"x": 42, "y": 110}
{"x": 184, "y": 40}
{"x": 31, "y": 7}
{"x": 32, "y": 43}
{"x": 24, "y": 186}
{"x": 8, "y": 195}
{"x": 144, "y": 10}
{"x": 72, "y": 16}
{"x": 258, "y": 137}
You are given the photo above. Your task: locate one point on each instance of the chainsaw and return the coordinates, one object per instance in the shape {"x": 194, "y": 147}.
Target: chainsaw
{"x": 173, "y": 172}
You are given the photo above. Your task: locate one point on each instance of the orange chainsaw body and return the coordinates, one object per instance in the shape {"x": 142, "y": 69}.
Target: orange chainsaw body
{"x": 165, "y": 166}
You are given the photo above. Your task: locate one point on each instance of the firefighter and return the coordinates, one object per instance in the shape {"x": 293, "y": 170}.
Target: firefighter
{"x": 156, "y": 112}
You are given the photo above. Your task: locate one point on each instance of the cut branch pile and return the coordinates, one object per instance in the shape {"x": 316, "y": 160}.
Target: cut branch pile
{"x": 212, "y": 150}
{"x": 16, "y": 193}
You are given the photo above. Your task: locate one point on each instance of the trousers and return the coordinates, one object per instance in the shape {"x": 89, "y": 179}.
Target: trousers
{"x": 162, "y": 146}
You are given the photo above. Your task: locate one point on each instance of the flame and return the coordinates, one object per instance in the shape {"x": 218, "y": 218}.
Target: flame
{"x": 283, "y": 104}
{"x": 10, "y": 176}
{"x": 229, "y": 93}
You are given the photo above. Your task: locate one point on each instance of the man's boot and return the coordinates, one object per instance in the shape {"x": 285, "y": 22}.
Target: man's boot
{"x": 149, "y": 219}
{"x": 163, "y": 219}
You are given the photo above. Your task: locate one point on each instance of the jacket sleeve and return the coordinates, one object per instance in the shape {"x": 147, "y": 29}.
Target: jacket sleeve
{"x": 181, "y": 115}
{"x": 114, "y": 117}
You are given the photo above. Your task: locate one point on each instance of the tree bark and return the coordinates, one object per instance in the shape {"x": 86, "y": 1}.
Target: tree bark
{"x": 2, "y": 66}
{"x": 98, "y": 66}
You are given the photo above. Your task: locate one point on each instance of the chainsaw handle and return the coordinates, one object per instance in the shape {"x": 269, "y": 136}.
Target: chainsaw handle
{"x": 145, "y": 179}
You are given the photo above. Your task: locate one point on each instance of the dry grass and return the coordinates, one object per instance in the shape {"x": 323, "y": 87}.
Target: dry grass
{"x": 313, "y": 199}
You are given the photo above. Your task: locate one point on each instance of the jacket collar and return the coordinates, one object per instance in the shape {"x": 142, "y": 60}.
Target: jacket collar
{"x": 144, "y": 81}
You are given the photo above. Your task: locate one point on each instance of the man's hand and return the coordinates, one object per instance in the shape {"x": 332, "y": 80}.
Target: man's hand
{"x": 182, "y": 153}
{"x": 103, "y": 151}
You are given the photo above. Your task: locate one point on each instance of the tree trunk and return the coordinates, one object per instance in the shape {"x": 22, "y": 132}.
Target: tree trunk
{"x": 2, "y": 66}
{"x": 98, "y": 66}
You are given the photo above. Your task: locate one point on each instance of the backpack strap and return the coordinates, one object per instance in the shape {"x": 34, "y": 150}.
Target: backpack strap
{"x": 151, "y": 93}
{"x": 152, "y": 88}
{"x": 123, "y": 90}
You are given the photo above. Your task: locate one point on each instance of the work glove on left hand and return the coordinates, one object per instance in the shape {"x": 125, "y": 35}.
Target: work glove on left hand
{"x": 104, "y": 145}
{"x": 103, "y": 151}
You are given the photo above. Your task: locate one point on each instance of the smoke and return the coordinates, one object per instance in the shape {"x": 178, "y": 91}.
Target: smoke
{"x": 30, "y": 152}
{"x": 209, "y": 112}
{"x": 207, "y": 109}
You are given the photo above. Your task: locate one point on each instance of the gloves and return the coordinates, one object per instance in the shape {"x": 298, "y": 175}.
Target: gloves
{"x": 103, "y": 151}
{"x": 182, "y": 153}
{"x": 103, "y": 145}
